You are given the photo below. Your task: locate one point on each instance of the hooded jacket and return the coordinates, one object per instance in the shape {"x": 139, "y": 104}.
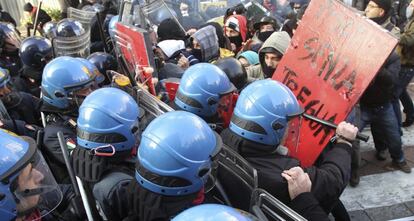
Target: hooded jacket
{"x": 207, "y": 38}
{"x": 240, "y": 23}
{"x": 280, "y": 42}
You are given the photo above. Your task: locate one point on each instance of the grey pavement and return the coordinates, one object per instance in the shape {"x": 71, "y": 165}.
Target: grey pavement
{"x": 382, "y": 194}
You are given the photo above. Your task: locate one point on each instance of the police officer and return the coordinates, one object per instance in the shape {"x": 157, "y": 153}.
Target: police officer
{"x": 104, "y": 62}
{"x": 9, "y": 48}
{"x": 107, "y": 137}
{"x": 265, "y": 113}
{"x": 206, "y": 91}
{"x": 19, "y": 105}
{"x": 72, "y": 39}
{"x": 28, "y": 190}
{"x": 66, "y": 81}
{"x": 34, "y": 52}
{"x": 173, "y": 163}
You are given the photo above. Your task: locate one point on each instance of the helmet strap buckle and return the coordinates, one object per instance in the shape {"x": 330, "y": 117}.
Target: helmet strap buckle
{"x": 98, "y": 151}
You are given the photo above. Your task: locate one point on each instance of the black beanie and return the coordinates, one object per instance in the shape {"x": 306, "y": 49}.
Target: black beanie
{"x": 28, "y": 7}
{"x": 384, "y": 4}
{"x": 170, "y": 30}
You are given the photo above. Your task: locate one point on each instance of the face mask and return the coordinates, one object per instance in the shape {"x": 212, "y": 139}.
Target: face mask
{"x": 237, "y": 40}
{"x": 268, "y": 71}
{"x": 263, "y": 36}
{"x": 409, "y": 12}
{"x": 197, "y": 53}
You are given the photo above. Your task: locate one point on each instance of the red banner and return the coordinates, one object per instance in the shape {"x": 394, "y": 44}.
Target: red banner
{"x": 332, "y": 58}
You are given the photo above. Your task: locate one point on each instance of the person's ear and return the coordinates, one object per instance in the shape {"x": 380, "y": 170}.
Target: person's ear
{"x": 382, "y": 12}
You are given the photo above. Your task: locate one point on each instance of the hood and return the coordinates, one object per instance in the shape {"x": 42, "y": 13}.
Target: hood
{"x": 241, "y": 25}
{"x": 278, "y": 41}
{"x": 207, "y": 38}
{"x": 220, "y": 33}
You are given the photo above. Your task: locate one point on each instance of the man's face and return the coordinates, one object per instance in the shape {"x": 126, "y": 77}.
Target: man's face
{"x": 231, "y": 32}
{"x": 272, "y": 60}
{"x": 29, "y": 179}
{"x": 266, "y": 27}
{"x": 373, "y": 10}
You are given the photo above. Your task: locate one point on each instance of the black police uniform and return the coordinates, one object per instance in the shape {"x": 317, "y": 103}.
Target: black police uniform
{"x": 22, "y": 106}
{"x": 145, "y": 205}
{"x": 328, "y": 180}
{"x": 57, "y": 121}
{"x": 106, "y": 178}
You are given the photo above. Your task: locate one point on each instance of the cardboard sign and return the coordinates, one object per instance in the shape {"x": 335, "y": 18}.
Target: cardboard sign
{"x": 332, "y": 58}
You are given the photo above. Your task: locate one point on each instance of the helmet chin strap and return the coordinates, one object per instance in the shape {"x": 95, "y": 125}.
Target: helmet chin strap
{"x": 29, "y": 214}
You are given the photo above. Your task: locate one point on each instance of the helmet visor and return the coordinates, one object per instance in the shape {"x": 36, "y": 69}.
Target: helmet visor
{"x": 12, "y": 39}
{"x": 292, "y": 132}
{"x": 226, "y": 106}
{"x": 35, "y": 188}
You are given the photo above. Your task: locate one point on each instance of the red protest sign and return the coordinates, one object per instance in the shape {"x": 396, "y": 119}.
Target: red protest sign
{"x": 332, "y": 58}
{"x": 135, "y": 47}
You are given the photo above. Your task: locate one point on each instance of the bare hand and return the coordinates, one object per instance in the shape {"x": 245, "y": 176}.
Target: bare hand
{"x": 298, "y": 181}
{"x": 347, "y": 131}
{"x": 183, "y": 62}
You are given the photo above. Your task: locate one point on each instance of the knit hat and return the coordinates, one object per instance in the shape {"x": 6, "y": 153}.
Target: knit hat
{"x": 169, "y": 47}
{"x": 251, "y": 56}
{"x": 169, "y": 29}
{"x": 384, "y": 4}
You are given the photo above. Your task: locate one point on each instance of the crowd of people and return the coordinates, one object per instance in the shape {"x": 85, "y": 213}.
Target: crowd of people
{"x": 137, "y": 165}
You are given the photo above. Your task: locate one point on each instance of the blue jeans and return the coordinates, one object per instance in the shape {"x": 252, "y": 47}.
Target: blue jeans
{"x": 406, "y": 74}
{"x": 384, "y": 128}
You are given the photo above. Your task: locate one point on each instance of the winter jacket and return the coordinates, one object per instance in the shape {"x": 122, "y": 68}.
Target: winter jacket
{"x": 329, "y": 179}
{"x": 405, "y": 47}
{"x": 280, "y": 42}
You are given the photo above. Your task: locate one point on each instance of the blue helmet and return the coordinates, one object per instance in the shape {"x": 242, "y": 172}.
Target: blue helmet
{"x": 18, "y": 189}
{"x": 4, "y": 77}
{"x": 263, "y": 110}
{"x": 108, "y": 116}
{"x": 112, "y": 25}
{"x": 175, "y": 154}
{"x": 36, "y": 51}
{"x": 69, "y": 28}
{"x": 62, "y": 78}
{"x": 213, "y": 212}
{"x": 201, "y": 88}
{"x": 99, "y": 77}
